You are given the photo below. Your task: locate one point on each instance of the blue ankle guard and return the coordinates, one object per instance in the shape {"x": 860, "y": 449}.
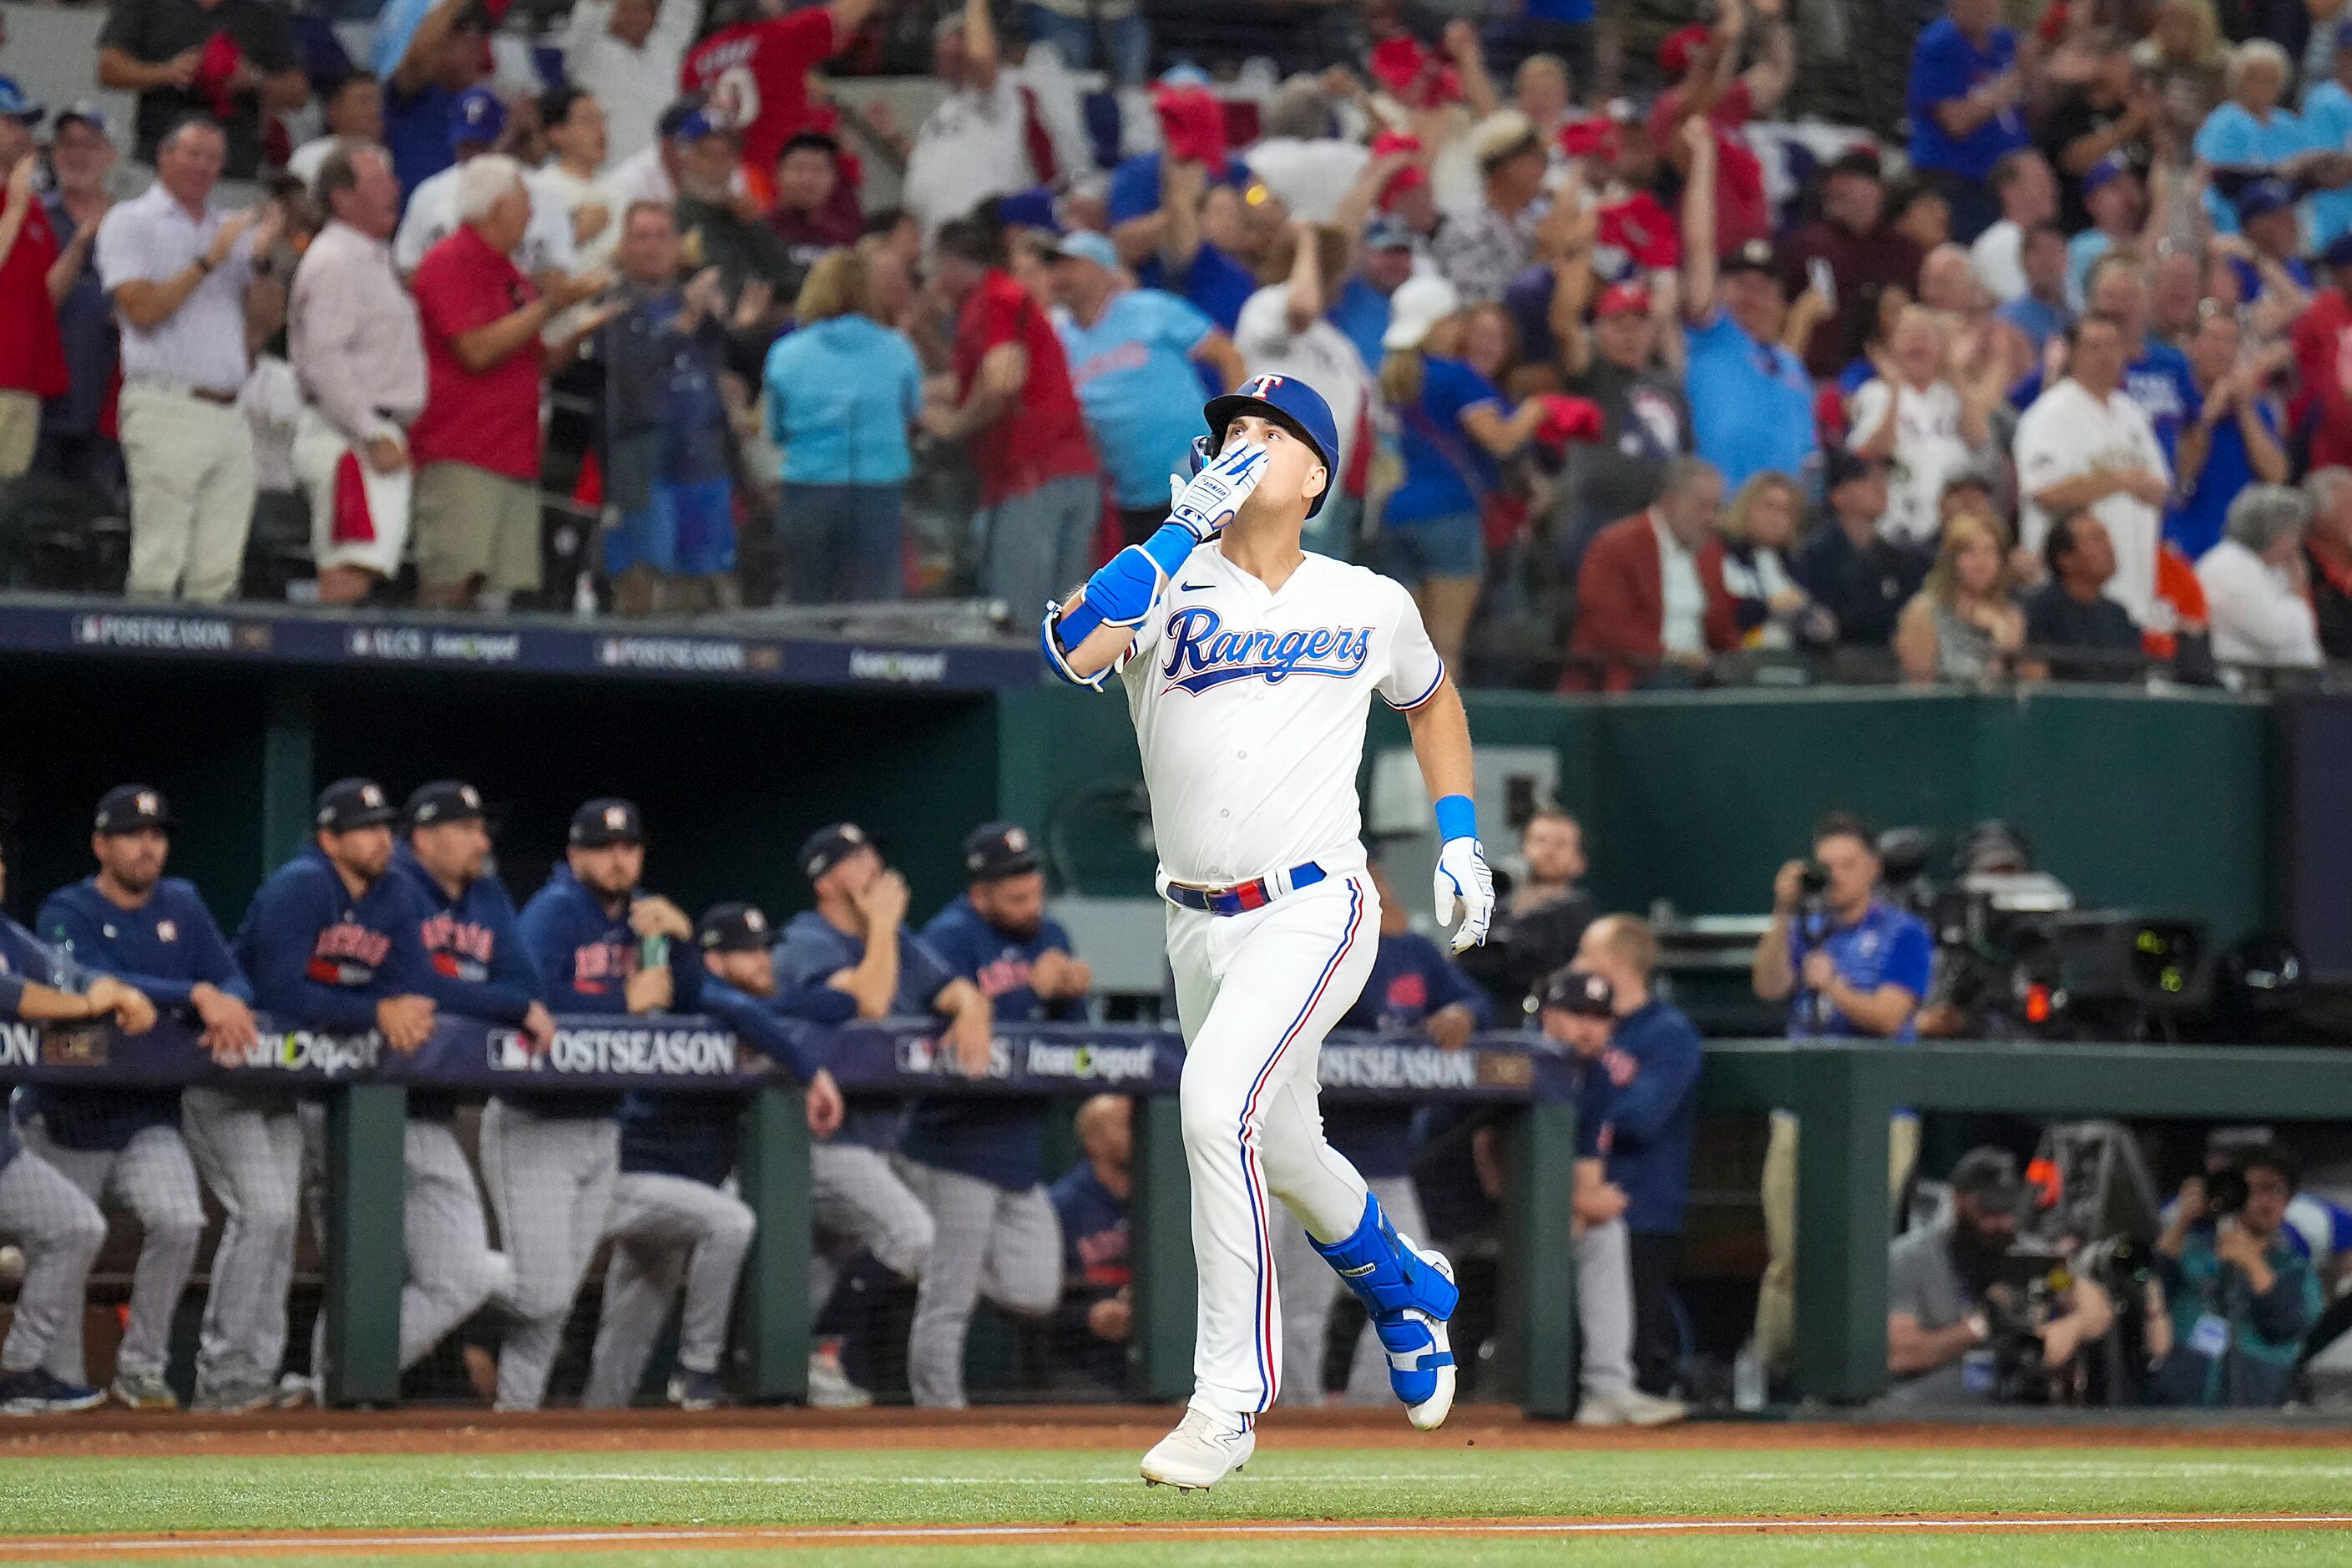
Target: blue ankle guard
{"x": 1388, "y": 1278}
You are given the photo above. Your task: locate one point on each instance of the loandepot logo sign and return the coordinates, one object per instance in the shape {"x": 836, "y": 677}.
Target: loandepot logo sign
{"x": 300, "y": 1050}
{"x": 1081, "y": 1063}
{"x": 636, "y": 1053}
{"x": 1397, "y": 1066}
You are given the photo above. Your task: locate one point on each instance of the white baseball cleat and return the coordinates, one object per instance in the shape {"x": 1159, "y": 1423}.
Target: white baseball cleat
{"x": 1430, "y": 1413}
{"x": 1204, "y": 1446}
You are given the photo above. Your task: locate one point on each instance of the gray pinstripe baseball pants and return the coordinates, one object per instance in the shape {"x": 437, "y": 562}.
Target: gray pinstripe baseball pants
{"x": 248, "y": 1148}
{"x": 59, "y": 1232}
{"x": 152, "y": 1177}
{"x": 550, "y": 1181}
{"x": 988, "y": 1242}
{"x": 665, "y": 1230}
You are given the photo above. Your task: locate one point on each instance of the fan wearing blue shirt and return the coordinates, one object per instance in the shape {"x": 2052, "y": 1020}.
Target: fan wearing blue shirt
{"x": 1850, "y": 965}
{"x": 1653, "y": 1063}
{"x": 676, "y": 1220}
{"x": 1155, "y": 216}
{"x": 978, "y": 1164}
{"x": 1097, "y": 1318}
{"x": 599, "y": 943}
{"x": 154, "y": 933}
{"x": 426, "y": 52}
{"x": 1964, "y": 98}
{"x": 1751, "y": 402}
{"x": 1415, "y": 988}
{"x": 330, "y": 945}
{"x": 1135, "y": 356}
{"x": 856, "y": 941}
{"x": 1577, "y": 1009}
{"x": 58, "y": 1228}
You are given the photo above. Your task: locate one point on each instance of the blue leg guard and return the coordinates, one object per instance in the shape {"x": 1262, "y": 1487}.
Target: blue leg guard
{"x": 1405, "y": 1295}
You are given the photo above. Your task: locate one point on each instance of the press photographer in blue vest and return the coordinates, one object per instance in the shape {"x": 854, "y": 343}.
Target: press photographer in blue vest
{"x": 1849, "y": 964}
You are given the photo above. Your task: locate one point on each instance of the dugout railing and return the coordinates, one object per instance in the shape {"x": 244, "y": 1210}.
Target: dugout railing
{"x": 1844, "y": 1091}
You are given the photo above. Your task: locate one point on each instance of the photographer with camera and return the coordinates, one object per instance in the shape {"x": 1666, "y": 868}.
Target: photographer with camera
{"x": 1849, "y": 964}
{"x": 1962, "y": 1326}
{"x": 2242, "y": 1294}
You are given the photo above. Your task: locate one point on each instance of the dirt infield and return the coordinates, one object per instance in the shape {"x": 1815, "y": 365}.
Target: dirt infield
{"x": 434, "y": 1543}
{"x": 1115, "y": 1427}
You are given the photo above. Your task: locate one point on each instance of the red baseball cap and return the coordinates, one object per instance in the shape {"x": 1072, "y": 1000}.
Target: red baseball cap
{"x": 1680, "y": 48}
{"x": 1621, "y": 298}
{"x": 1595, "y": 136}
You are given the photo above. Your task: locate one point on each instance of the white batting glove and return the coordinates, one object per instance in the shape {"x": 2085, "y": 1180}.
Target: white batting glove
{"x": 1215, "y": 494}
{"x": 1464, "y": 886}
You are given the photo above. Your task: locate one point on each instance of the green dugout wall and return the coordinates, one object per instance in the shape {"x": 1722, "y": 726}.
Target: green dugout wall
{"x": 2133, "y": 800}
{"x": 1698, "y": 797}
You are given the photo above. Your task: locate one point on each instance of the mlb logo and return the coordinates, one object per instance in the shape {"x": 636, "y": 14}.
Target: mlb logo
{"x": 509, "y": 1051}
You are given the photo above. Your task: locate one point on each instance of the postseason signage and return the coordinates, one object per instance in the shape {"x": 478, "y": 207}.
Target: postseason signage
{"x": 686, "y": 1053}
{"x": 539, "y": 645}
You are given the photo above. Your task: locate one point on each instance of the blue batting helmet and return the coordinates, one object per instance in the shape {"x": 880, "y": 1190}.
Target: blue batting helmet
{"x": 1289, "y": 401}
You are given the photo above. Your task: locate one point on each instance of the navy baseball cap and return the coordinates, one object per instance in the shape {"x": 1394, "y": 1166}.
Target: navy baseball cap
{"x": 2106, "y": 169}
{"x": 2264, "y": 196}
{"x": 673, "y": 118}
{"x": 1844, "y": 467}
{"x": 16, "y": 105}
{"x": 477, "y": 116}
{"x": 1578, "y": 991}
{"x": 732, "y": 928}
{"x": 1755, "y": 255}
{"x": 2338, "y": 252}
{"x": 349, "y": 804}
{"x": 127, "y": 808}
{"x": 829, "y": 846}
{"x": 1989, "y": 1175}
{"x": 1290, "y": 402}
{"x": 998, "y": 849}
{"x": 444, "y": 800}
{"x": 608, "y": 820}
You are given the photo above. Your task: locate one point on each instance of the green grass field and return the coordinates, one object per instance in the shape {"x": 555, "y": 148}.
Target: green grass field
{"x": 814, "y": 1488}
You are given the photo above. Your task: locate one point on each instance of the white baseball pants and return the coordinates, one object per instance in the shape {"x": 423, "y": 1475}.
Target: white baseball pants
{"x": 1255, "y": 994}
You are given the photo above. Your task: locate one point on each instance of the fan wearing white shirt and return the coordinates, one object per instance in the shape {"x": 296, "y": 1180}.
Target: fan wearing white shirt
{"x": 2255, "y": 583}
{"x": 1913, "y": 417}
{"x": 975, "y": 143}
{"x": 477, "y": 124}
{"x": 353, "y": 110}
{"x": 627, "y": 53}
{"x": 577, "y": 129}
{"x": 2086, "y": 443}
{"x": 2028, "y": 194}
{"x": 1283, "y": 331}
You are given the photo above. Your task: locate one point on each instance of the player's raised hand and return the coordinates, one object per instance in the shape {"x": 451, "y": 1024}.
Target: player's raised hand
{"x": 1464, "y": 886}
{"x": 1217, "y": 491}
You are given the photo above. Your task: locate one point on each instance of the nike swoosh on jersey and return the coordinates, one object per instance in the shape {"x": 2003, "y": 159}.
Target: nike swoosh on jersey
{"x": 1193, "y": 588}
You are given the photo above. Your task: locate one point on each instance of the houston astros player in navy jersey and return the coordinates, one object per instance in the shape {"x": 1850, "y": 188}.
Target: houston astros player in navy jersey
{"x": 124, "y": 1145}
{"x": 979, "y": 1163}
{"x": 1249, "y": 666}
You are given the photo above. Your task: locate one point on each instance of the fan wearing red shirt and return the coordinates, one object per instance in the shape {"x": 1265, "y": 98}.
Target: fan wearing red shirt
{"x": 1040, "y": 494}
{"x": 476, "y": 445}
{"x": 32, "y": 352}
{"x": 1705, "y": 68}
{"x": 756, "y": 75}
{"x": 2323, "y": 356}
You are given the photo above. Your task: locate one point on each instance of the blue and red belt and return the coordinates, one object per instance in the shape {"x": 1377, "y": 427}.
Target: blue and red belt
{"x": 1241, "y": 898}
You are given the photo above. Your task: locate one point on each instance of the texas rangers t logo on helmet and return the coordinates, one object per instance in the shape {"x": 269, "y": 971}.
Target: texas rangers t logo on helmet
{"x": 1259, "y": 386}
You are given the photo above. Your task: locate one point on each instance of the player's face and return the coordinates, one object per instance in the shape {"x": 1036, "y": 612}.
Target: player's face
{"x": 456, "y": 851}
{"x": 609, "y": 870}
{"x": 133, "y": 860}
{"x": 1295, "y": 476}
{"x": 1014, "y": 905}
{"x": 753, "y": 972}
{"x": 364, "y": 852}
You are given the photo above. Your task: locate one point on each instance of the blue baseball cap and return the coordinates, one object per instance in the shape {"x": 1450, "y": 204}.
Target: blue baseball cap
{"x": 16, "y": 105}
{"x": 1292, "y": 403}
{"x": 1084, "y": 245}
{"x": 477, "y": 116}
{"x": 2106, "y": 169}
{"x": 1388, "y": 232}
{"x": 2264, "y": 196}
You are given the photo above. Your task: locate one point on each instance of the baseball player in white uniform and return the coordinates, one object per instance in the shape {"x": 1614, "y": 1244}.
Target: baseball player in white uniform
{"x": 1249, "y": 666}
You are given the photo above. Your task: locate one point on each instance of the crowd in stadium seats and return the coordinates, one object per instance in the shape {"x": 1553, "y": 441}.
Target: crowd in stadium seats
{"x": 1633, "y": 391}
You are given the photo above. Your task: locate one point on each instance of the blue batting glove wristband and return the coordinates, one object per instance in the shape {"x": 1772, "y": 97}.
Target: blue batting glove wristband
{"x": 1457, "y": 818}
{"x": 1168, "y": 547}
